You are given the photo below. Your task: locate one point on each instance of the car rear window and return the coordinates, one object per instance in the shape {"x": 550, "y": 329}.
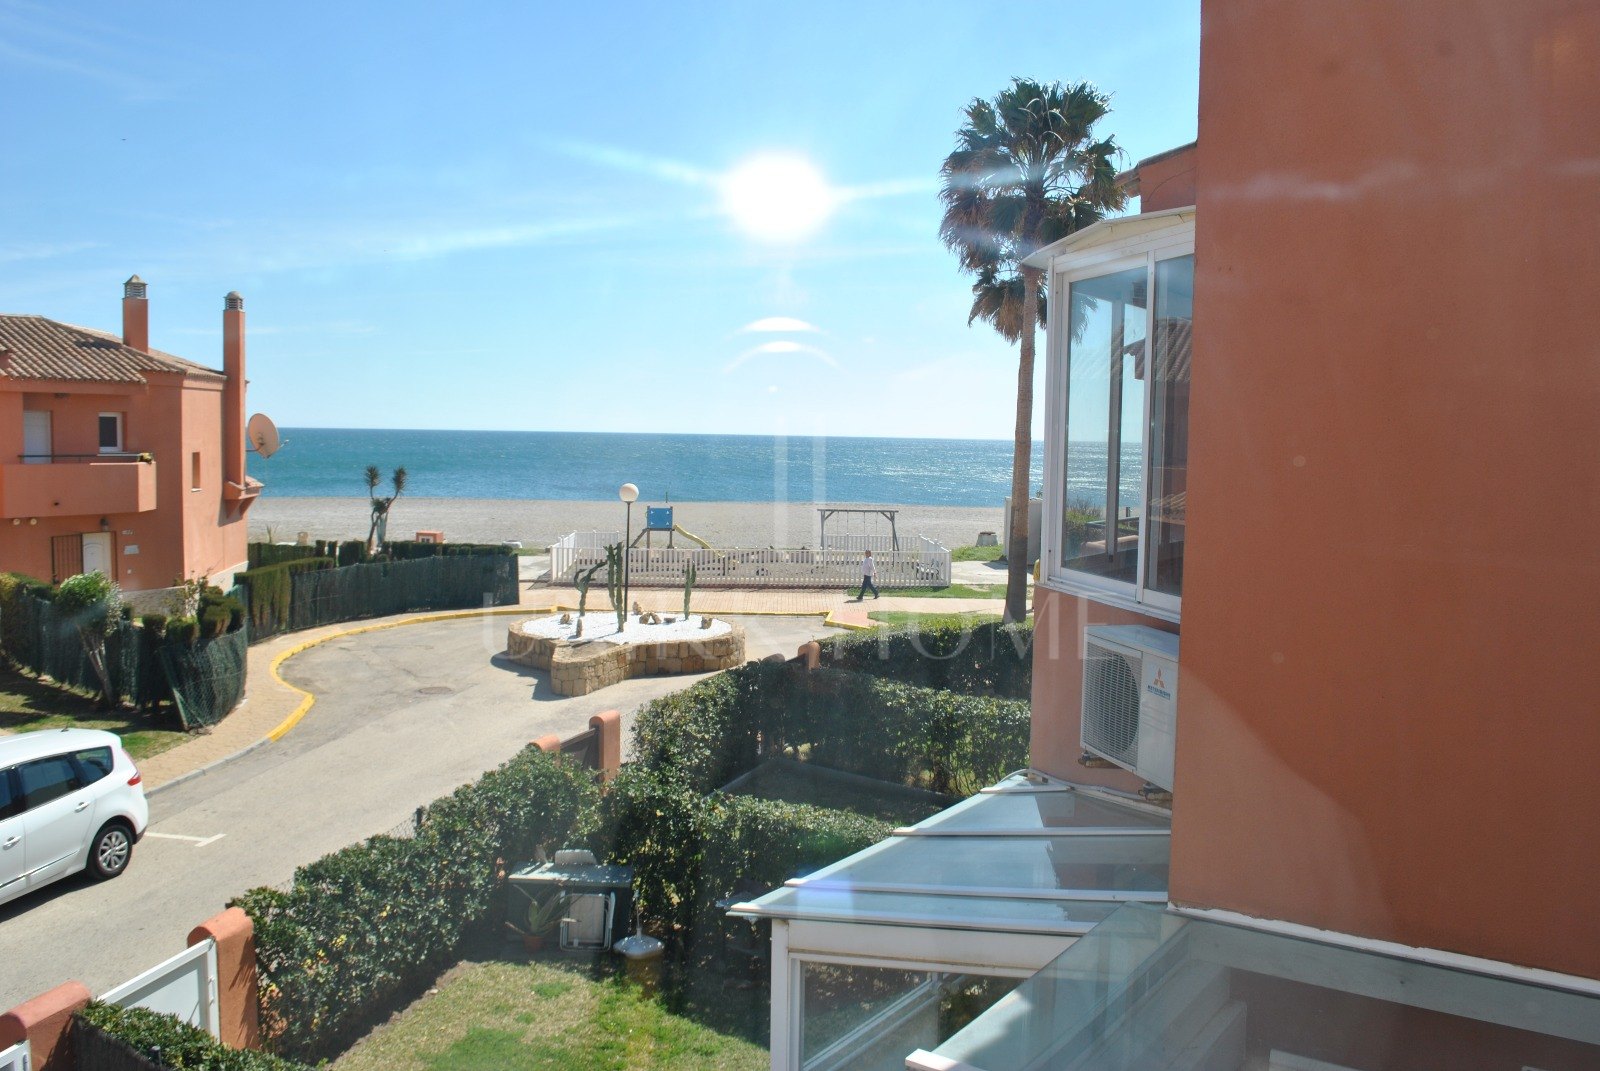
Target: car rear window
{"x": 96, "y": 763}
{"x": 43, "y": 780}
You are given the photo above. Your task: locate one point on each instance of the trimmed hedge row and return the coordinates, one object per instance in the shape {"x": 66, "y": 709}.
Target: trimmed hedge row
{"x": 689, "y": 850}
{"x": 408, "y": 549}
{"x": 987, "y": 659}
{"x": 708, "y": 734}
{"x": 363, "y": 929}
{"x": 110, "y": 1038}
{"x": 269, "y": 589}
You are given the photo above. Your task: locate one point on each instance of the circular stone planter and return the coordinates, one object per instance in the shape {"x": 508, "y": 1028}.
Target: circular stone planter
{"x": 603, "y": 656}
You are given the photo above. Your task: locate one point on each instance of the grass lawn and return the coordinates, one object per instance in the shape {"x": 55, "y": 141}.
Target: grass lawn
{"x": 889, "y": 803}
{"x": 977, "y": 554}
{"x": 27, "y": 705}
{"x": 546, "y": 1014}
{"x": 953, "y": 591}
{"x": 912, "y": 617}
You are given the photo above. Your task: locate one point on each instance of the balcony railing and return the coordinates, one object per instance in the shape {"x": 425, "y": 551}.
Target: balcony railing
{"x": 51, "y": 459}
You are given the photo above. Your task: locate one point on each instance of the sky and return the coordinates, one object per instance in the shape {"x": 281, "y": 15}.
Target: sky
{"x": 602, "y": 217}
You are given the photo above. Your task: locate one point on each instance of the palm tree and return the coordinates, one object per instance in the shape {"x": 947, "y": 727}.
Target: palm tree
{"x": 1026, "y": 171}
{"x": 381, "y": 504}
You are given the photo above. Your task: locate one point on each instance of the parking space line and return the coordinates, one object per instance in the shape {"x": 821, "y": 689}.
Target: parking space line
{"x": 198, "y": 842}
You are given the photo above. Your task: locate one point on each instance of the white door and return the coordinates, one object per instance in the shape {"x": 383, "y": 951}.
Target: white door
{"x": 97, "y": 553}
{"x": 55, "y": 827}
{"x": 11, "y": 869}
{"x": 36, "y": 436}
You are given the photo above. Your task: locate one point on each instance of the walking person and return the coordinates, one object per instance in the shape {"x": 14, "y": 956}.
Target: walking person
{"x": 869, "y": 569}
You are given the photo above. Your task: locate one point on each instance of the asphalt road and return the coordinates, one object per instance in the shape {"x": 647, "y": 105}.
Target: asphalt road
{"x": 403, "y": 716}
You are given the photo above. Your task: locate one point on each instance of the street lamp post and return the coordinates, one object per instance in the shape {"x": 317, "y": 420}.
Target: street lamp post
{"x": 629, "y": 494}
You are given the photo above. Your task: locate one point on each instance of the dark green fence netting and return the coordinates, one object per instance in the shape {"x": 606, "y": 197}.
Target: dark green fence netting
{"x": 378, "y": 589}
{"x": 207, "y": 678}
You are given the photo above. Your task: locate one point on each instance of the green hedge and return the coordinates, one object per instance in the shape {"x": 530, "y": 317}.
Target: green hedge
{"x": 362, "y": 930}
{"x": 268, "y": 591}
{"x": 106, "y": 1036}
{"x": 690, "y": 850}
{"x": 705, "y": 736}
{"x": 987, "y": 659}
{"x": 407, "y": 549}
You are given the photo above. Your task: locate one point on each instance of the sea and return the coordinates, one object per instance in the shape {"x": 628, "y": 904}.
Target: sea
{"x": 590, "y": 466}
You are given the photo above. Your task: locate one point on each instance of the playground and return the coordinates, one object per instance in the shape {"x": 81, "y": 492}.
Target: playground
{"x": 654, "y": 557}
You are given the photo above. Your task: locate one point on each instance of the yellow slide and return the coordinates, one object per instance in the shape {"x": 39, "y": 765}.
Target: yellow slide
{"x": 691, "y": 537}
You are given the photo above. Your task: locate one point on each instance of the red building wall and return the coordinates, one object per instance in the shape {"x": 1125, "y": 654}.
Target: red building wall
{"x": 1390, "y": 708}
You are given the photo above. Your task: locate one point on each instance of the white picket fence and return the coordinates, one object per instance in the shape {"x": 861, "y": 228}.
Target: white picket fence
{"x": 878, "y": 544}
{"x": 927, "y": 564}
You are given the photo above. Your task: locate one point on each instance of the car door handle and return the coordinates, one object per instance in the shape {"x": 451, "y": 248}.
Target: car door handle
{"x": 82, "y": 805}
{"x": 10, "y": 842}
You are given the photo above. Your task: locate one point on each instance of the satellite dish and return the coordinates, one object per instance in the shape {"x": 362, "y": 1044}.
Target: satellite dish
{"x": 262, "y": 434}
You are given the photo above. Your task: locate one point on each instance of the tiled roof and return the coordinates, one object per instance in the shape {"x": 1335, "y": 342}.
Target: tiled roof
{"x": 33, "y": 347}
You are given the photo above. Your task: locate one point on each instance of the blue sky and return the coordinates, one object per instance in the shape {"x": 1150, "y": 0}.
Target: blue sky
{"x": 514, "y": 216}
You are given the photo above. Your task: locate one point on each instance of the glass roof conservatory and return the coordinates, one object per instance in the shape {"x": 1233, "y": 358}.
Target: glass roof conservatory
{"x": 897, "y": 947}
{"x": 1151, "y": 988}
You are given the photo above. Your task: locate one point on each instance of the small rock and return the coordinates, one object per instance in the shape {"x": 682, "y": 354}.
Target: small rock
{"x": 705, "y": 621}
{"x": 566, "y": 619}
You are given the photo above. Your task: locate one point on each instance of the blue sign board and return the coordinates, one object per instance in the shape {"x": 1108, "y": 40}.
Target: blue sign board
{"x": 658, "y": 518}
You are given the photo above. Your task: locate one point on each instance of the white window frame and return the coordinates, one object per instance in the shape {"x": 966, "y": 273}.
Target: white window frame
{"x": 120, "y": 433}
{"x": 1165, "y": 240}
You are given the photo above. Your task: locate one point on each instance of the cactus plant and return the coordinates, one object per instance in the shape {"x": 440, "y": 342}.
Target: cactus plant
{"x": 688, "y": 587}
{"x": 614, "y": 584}
{"x": 584, "y": 580}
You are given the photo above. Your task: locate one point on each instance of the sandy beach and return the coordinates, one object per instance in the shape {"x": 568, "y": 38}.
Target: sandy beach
{"x": 537, "y": 523}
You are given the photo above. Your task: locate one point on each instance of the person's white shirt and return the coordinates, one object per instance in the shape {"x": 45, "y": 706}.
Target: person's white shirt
{"x": 868, "y": 566}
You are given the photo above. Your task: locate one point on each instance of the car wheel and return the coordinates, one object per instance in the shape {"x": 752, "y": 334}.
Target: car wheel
{"x": 110, "y": 851}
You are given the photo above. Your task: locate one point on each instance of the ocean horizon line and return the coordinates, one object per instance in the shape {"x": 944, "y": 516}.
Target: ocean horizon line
{"x": 644, "y": 434}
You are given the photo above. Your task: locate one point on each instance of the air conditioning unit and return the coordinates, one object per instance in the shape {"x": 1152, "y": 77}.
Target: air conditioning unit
{"x": 1130, "y": 698}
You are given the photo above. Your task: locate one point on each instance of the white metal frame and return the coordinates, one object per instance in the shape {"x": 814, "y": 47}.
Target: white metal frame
{"x": 1166, "y": 239}
{"x": 17, "y": 1057}
{"x": 185, "y": 986}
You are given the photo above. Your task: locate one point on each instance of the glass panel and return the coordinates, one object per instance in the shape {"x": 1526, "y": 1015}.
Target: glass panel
{"x": 1147, "y": 988}
{"x": 9, "y": 804}
{"x": 869, "y": 1018}
{"x": 96, "y": 763}
{"x": 988, "y": 913}
{"x": 46, "y": 779}
{"x": 1040, "y": 864}
{"x": 1041, "y": 810}
{"x": 110, "y": 432}
{"x": 1105, "y": 424}
{"x": 1169, "y": 425}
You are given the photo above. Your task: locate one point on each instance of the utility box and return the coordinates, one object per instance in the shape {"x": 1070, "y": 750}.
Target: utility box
{"x": 599, "y": 899}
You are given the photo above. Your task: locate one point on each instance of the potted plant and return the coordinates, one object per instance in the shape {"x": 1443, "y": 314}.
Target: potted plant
{"x": 542, "y": 918}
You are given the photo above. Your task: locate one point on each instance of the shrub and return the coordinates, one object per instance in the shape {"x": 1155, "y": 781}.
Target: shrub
{"x": 690, "y": 850}
{"x": 18, "y": 596}
{"x": 183, "y": 630}
{"x": 101, "y": 1030}
{"x": 362, "y": 929}
{"x": 407, "y": 549}
{"x": 706, "y": 735}
{"x": 154, "y": 625}
{"x": 268, "y": 590}
{"x": 984, "y": 659}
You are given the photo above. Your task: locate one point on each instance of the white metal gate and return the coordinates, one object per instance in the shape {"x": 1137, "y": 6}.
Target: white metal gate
{"x": 16, "y": 1057}
{"x": 185, "y": 986}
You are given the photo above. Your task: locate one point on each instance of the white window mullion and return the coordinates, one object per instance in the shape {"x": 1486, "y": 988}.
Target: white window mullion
{"x": 1144, "y": 431}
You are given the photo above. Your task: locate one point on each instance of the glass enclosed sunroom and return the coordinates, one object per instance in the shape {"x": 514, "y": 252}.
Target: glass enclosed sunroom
{"x": 899, "y": 946}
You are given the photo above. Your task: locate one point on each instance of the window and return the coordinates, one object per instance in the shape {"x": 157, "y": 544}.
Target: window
{"x": 194, "y": 471}
{"x": 10, "y": 800}
{"x": 43, "y": 780}
{"x": 111, "y": 433}
{"x": 1120, "y": 360}
{"x": 94, "y": 764}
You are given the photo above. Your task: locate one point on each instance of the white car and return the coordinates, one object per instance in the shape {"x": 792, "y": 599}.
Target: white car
{"x": 70, "y": 799}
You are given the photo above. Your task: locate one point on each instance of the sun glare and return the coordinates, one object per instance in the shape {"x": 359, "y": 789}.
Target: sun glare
{"x": 777, "y": 198}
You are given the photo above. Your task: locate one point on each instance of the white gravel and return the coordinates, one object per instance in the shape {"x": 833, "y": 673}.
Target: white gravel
{"x": 602, "y": 625}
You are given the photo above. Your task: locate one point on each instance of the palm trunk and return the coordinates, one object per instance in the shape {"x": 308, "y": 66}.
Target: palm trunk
{"x": 1022, "y": 457}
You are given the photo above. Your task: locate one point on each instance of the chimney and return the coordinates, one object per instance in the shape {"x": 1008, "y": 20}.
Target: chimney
{"x": 135, "y": 314}
{"x": 233, "y": 393}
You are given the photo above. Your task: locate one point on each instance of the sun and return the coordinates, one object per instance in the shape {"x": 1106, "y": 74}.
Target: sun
{"x": 777, "y": 198}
